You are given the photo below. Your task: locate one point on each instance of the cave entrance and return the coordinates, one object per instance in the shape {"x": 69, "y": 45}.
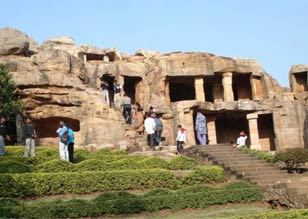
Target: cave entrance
{"x": 241, "y": 87}
{"x": 301, "y": 81}
{"x": 213, "y": 88}
{"x": 266, "y": 132}
{"x": 110, "y": 81}
{"x": 92, "y": 57}
{"x": 46, "y": 128}
{"x": 130, "y": 85}
{"x": 181, "y": 88}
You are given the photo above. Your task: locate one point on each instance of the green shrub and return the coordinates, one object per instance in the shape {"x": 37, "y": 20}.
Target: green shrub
{"x": 182, "y": 163}
{"x": 7, "y": 166}
{"x": 204, "y": 174}
{"x": 55, "y": 165}
{"x": 293, "y": 214}
{"x": 37, "y": 184}
{"x": 268, "y": 157}
{"x": 293, "y": 157}
{"x": 153, "y": 162}
{"x": 124, "y": 203}
{"x": 106, "y": 151}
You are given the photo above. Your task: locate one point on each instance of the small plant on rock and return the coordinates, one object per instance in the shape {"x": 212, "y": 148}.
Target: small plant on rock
{"x": 293, "y": 158}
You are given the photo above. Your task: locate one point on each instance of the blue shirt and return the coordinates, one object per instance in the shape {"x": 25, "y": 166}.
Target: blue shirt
{"x": 71, "y": 138}
{"x": 61, "y": 130}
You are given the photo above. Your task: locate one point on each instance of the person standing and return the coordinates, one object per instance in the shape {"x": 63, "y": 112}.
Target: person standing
{"x": 63, "y": 139}
{"x": 159, "y": 128}
{"x": 180, "y": 139}
{"x": 70, "y": 143}
{"x": 200, "y": 127}
{"x": 117, "y": 94}
{"x": 29, "y": 135}
{"x": 105, "y": 91}
{"x": 139, "y": 116}
{"x": 3, "y": 136}
{"x": 150, "y": 126}
{"x": 127, "y": 109}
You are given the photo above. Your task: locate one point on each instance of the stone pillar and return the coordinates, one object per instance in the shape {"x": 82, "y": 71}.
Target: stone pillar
{"x": 211, "y": 131}
{"x": 84, "y": 57}
{"x": 227, "y": 84}
{"x": 256, "y": 87}
{"x": 253, "y": 131}
{"x": 199, "y": 89}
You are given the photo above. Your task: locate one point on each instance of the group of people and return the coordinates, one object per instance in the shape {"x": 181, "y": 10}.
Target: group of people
{"x": 153, "y": 126}
{"x": 65, "y": 133}
{"x": 66, "y": 141}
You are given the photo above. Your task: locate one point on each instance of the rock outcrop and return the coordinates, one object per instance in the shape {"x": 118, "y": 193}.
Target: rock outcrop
{"x": 60, "y": 79}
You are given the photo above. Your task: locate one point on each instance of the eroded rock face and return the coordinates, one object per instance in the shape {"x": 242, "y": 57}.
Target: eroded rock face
{"x": 13, "y": 41}
{"x": 60, "y": 79}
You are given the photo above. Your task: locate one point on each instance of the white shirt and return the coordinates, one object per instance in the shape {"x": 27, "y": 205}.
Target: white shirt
{"x": 181, "y": 136}
{"x": 149, "y": 125}
{"x": 241, "y": 141}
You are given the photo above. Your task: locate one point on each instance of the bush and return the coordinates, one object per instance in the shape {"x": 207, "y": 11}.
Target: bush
{"x": 268, "y": 157}
{"x": 293, "y": 158}
{"x": 54, "y": 166}
{"x": 293, "y": 214}
{"x": 153, "y": 162}
{"x": 7, "y": 166}
{"x": 37, "y": 184}
{"x": 106, "y": 151}
{"x": 123, "y": 202}
{"x": 204, "y": 174}
{"x": 182, "y": 163}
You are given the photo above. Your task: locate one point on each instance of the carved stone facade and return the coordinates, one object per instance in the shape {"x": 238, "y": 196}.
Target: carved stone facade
{"x": 61, "y": 80}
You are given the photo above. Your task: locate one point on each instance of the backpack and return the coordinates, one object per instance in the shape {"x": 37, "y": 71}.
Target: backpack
{"x": 64, "y": 137}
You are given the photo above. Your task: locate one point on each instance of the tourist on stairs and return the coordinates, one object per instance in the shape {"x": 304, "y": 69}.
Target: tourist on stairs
{"x": 117, "y": 94}
{"x": 150, "y": 126}
{"x": 180, "y": 139}
{"x": 127, "y": 109}
{"x": 70, "y": 143}
{"x": 159, "y": 129}
{"x": 3, "y": 135}
{"x": 241, "y": 141}
{"x": 200, "y": 127}
{"x": 29, "y": 135}
{"x": 105, "y": 91}
{"x": 139, "y": 117}
{"x": 63, "y": 139}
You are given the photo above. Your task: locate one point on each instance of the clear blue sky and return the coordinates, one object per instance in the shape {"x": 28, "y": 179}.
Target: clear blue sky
{"x": 272, "y": 31}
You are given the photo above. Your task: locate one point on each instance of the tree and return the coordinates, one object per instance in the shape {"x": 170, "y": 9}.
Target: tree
{"x": 10, "y": 105}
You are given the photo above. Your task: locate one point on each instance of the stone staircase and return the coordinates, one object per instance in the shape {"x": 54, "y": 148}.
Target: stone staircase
{"x": 280, "y": 187}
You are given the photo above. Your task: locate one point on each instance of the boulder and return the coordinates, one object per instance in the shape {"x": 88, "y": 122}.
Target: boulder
{"x": 33, "y": 46}
{"x": 13, "y": 42}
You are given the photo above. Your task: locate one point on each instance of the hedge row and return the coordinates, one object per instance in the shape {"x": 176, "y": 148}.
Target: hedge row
{"x": 37, "y": 184}
{"x": 122, "y": 163}
{"x": 123, "y": 202}
{"x": 268, "y": 157}
{"x": 293, "y": 214}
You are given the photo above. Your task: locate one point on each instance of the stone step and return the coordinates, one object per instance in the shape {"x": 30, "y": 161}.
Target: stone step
{"x": 259, "y": 173}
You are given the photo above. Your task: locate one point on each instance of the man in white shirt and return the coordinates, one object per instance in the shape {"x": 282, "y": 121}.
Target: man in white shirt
{"x": 241, "y": 141}
{"x": 150, "y": 127}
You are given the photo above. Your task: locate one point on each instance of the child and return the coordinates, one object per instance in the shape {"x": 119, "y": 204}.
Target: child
{"x": 180, "y": 139}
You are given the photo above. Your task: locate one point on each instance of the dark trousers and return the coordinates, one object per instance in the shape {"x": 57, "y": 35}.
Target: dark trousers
{"x": 180, "y": 146}
{"x": 158, "y": 135}
{"x": 151, "y": 140}
{"x": 127, "y": 113}
{"x": 70, "y": 148}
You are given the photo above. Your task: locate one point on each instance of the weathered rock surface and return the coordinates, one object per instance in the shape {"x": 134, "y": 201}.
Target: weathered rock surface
{"x": 61, "y": 79}
{"x": 13, "y": 42}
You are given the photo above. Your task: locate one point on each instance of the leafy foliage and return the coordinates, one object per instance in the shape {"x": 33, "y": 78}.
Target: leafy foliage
{"x": 182, "y": 163}
{"x": 9, "y": 103}
{"x": 123, "y": 202}
{"x": 268, "y": 157}
{"x": 293, "y": 158}
{"x": 293, "y": 214}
